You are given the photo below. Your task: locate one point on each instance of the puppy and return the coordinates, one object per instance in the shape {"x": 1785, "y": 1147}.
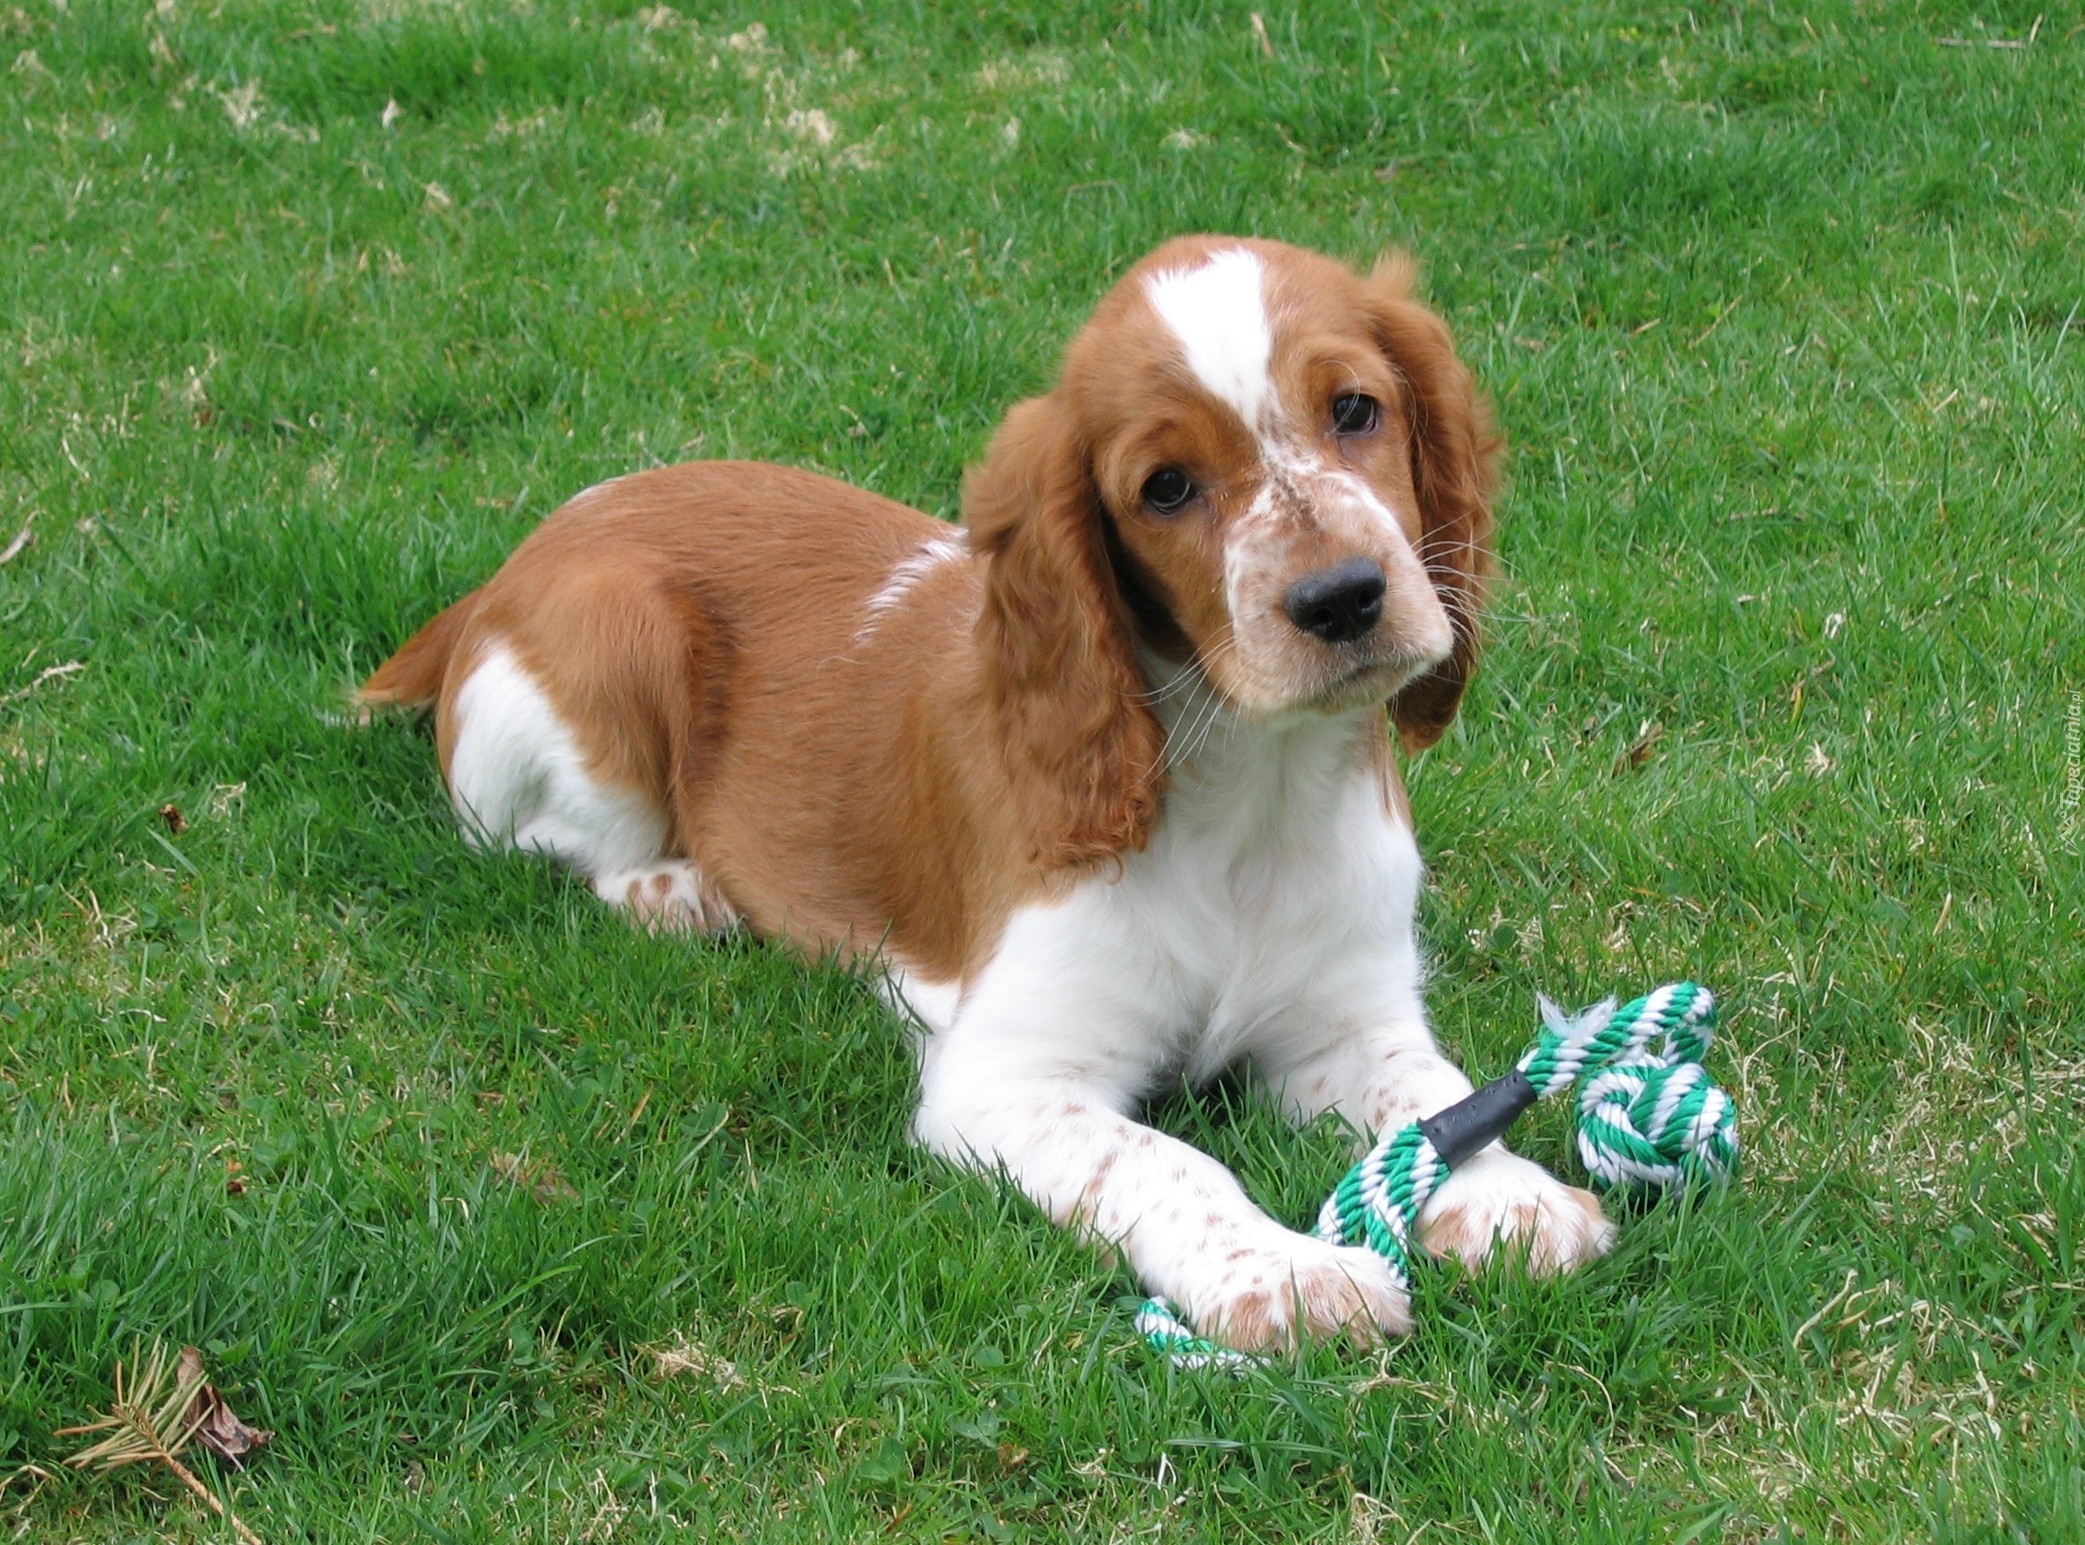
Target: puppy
{"x": 1100, "y": 782}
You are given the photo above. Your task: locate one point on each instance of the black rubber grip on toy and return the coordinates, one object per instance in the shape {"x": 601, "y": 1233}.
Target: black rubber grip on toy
{"x": 1469, "y": 1124}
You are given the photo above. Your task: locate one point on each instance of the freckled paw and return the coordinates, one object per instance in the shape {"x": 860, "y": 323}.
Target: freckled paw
{"x": 1268, "y": 1299}
{"x": 669, "y": 897}
{"x": 1500, "y": 1205}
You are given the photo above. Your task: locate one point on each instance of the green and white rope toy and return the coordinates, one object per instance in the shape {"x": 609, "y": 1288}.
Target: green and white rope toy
{"x": 1648, "y": 1118}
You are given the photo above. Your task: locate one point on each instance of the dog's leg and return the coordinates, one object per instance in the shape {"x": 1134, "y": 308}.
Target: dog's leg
{"x": 519, "y": 778}
{"x": 1380, "y": 1077}
{"x": 1047, "y": 1110}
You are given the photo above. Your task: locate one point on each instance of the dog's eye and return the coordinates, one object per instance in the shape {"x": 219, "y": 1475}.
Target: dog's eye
{"x": 1168, "y": 490}
{"x": 1353, "y": 414}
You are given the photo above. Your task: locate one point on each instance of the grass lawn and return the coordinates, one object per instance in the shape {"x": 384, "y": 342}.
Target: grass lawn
{"x": 517, "y": 1225}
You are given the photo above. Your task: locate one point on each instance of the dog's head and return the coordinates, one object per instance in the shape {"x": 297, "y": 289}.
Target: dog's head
{"x": 1255, "y": 463}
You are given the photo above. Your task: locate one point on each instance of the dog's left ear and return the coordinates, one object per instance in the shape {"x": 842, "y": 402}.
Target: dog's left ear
{"x": 1081, "y": 744}
{"x": 1454, "y": 455}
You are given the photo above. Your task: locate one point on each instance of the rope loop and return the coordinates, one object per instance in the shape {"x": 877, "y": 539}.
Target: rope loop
{"x": 1649, "y": 1118}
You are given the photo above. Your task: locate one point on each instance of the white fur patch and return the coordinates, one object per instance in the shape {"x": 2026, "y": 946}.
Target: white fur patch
{"x": 1275, "y": 891}
{"x": 589, "y": 495}
{"x": 905, "y": 576}
{"x": 931, "y": 1004}
{"x": 1218, "y": 312}
{"x": 518, "y": 778}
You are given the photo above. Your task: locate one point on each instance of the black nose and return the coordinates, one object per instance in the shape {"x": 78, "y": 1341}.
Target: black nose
{"x": 1339, "y": 603}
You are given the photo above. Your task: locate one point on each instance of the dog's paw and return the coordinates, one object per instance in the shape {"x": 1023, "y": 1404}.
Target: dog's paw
{"x": 668, "y": 897}
{"x": 1498, "y": 1203}
{"x": 1268, "y": 1297}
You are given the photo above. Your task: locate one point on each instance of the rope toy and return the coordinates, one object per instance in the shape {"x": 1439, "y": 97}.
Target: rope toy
{"x": 1648, "y": 1119}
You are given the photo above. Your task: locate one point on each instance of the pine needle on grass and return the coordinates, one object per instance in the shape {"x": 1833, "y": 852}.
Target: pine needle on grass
{"x": 157, "y": 1415}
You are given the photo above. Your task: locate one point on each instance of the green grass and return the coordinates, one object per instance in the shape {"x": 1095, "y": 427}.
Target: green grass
{"x": 1783, "y": 315}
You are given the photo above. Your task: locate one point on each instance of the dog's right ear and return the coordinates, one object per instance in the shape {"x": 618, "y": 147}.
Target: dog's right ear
{"x": 1081, "y": 746}
{"x": 1454, "y": 471}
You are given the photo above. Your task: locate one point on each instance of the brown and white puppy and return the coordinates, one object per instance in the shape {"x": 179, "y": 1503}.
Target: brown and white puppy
{"x": 1100, "y": 781}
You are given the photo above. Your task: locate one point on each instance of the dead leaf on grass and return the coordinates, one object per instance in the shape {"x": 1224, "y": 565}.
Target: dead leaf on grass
{"x": 217, "y": 1426}
{"x": 1647, "y": 739}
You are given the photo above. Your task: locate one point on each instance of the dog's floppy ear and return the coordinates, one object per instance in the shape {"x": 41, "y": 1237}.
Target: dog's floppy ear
{"x": 1061, "y": 682}
{"x": 1454, "y": 451}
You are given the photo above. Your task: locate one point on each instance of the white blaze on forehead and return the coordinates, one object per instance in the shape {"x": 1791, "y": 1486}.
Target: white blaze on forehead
{"x": 1219, "y": 315}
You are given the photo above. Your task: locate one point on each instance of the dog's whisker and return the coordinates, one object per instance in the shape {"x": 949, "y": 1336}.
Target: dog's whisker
{"x": 1202, "y": 725}
{"x": 1183, "y": 733}
{"x": 1181, "y": 680}
{"x": 1193, "y": 670}
{"x": 1188, "y": 734}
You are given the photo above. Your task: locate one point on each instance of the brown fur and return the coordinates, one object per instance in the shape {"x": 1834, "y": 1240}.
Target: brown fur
{"x": 746, "y": 722}
{"x": 1054, "y": 639}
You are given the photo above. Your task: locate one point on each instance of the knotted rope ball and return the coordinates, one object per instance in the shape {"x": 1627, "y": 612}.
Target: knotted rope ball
{"x": 1652, "y": 1119}
{"x": 1648, "y": 1118}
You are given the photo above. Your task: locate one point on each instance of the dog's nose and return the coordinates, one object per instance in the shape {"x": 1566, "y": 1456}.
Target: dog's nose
{"x": 1339, "y": 603}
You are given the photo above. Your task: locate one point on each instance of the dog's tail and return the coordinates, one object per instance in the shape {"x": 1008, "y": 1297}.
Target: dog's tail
{"x": 412, "y": 678}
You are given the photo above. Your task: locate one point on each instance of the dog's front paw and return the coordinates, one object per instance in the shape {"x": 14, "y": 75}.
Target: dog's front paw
{"x": 1270, "y": 1296}
{"x": 1499, "y": 1203}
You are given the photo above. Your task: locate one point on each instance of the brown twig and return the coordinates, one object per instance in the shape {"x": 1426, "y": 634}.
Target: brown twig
{"x": 188, "y": 1479}
{"x": 45, "y": 675}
